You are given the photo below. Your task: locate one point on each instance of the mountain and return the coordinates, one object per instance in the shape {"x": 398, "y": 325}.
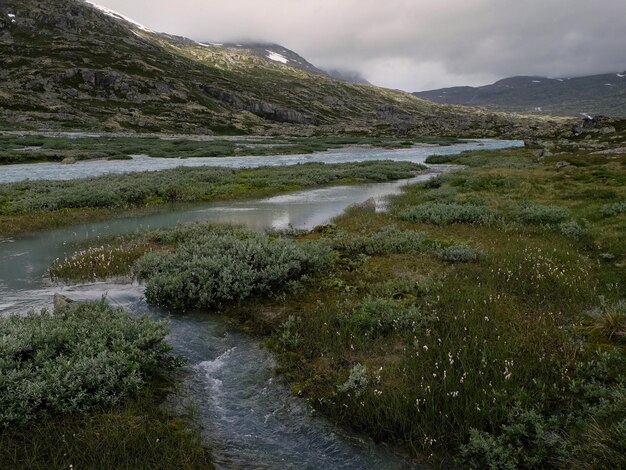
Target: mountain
{"x": 67, "y": 64}
{"x": 594, "y": 95}
{"x": 348, "y": 76}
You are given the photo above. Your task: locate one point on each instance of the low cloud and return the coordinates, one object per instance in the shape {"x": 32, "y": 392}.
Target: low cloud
{"x": 412, "y": 44}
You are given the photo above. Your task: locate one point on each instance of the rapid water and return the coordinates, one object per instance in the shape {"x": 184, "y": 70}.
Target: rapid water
{"x": 84, "y": 169}
{"x": 248, "y": 416}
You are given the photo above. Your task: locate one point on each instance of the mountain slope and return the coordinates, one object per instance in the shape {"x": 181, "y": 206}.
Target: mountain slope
{"x": 597, "y": 94}
{"x": 68, "y": 64}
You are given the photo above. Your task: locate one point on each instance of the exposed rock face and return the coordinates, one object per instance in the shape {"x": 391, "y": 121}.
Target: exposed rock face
{"x": 260, "y": 108}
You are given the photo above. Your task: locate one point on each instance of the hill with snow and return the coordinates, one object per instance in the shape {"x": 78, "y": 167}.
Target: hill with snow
{"x": 594, "y": 95}
{"x": 71, "y": 64}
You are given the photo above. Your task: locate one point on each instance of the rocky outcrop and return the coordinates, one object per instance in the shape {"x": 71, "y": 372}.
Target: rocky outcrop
{"x": 263, "y": 109}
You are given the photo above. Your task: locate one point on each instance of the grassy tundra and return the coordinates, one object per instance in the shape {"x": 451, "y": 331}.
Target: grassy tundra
{"x": 31, "y": 205}
{"x": 482, "y": 319}
{"x": 15, "y": 149}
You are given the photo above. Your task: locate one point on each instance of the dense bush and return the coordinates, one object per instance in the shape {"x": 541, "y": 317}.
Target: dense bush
{"x": 542, "y": 215}
{"x": 79, "y": 357}
{"x": 526, "y": 441}
{"x": 217, "y": 266}
{"x": 449, "y": 213}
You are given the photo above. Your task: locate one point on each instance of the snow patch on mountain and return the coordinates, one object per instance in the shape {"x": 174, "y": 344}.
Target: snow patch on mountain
{"x": 276, "y": 57}
{"x": 118, "y": 16}
{"x": 12, "y": 16}
{"x": 621, "y": 75}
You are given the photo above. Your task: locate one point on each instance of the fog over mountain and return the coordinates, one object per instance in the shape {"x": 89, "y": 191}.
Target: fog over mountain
{"x": 412, "y": 44}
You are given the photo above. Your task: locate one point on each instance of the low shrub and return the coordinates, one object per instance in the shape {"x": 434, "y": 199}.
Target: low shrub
{"x": 75, "y": 359}
{"x": 457, "y": 253}
{"x": 216, "y": 266}
{"x": 387, "y": 241}
{"x": 526, "y": 441}
{"x": 612, "y": 210}
{"x": 572, "y": 229}
{"x": 439, "y": 213}
{"x": 357, "y": 381}
{"x": 542, "y": 215}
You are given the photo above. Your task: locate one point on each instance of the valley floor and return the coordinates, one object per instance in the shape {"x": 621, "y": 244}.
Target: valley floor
{"x": 481, "y": 320}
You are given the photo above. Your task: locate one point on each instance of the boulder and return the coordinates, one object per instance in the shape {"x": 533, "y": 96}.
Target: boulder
{"x": 60, "y": 301}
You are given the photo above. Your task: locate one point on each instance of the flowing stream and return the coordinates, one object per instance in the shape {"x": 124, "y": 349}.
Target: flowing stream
{"x": 248, "y": 416}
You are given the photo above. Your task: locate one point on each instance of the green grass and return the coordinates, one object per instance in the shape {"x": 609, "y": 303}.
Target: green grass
{"x": 500, "y": 361}
{"x": 29, "y": 205}
{"x": 15, "y": 149}
{"x": 493, "y": 345}
{"x": 138, "y": 434}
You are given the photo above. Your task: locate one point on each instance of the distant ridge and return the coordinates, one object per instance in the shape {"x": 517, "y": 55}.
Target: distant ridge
{"x": 603, "y": 94}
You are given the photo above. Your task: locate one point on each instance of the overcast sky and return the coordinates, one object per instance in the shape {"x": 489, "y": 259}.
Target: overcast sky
{"x": 412, "y": 44}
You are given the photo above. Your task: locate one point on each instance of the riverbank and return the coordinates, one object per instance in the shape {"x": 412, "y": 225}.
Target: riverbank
{"x": 20, "y": 148}
{"x": 37, "y": 205}
{"x": 480, "y": 320}
{"x": 83, "y": 387}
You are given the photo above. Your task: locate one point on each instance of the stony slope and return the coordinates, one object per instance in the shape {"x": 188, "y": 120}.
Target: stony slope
{"x": 598, "y": 94}
{"x": 67, "y": 64}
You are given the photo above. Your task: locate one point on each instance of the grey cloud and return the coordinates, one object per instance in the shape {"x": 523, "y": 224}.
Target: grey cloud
{"x": 412, "y": 44}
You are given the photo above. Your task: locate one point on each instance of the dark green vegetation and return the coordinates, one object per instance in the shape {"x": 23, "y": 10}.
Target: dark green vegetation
{"x": 81, "y": 387}
{"x": 29, "y": 205}
{"x": 120, "y": 77}
{"x": 37, "y": 148}
{"x": 597, "y": 95}
{"x": 210, "y": 266}
{"x": 496, "y": 344}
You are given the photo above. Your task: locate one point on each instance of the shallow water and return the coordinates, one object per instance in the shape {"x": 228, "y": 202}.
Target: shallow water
{"x": 58, "y": 171}
{"x": 248, "y": 416}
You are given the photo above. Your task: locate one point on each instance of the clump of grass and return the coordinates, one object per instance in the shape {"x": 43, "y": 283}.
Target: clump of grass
{"x": 99, "y": 262}
{"x": 138, "y": 434}
{"x": 379, "y": 316}
{"x": 601, "y": 446}
{"x": 78, "y": 358}
{"x": 439, "y": 213}
{"x": 609, "y": 321}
